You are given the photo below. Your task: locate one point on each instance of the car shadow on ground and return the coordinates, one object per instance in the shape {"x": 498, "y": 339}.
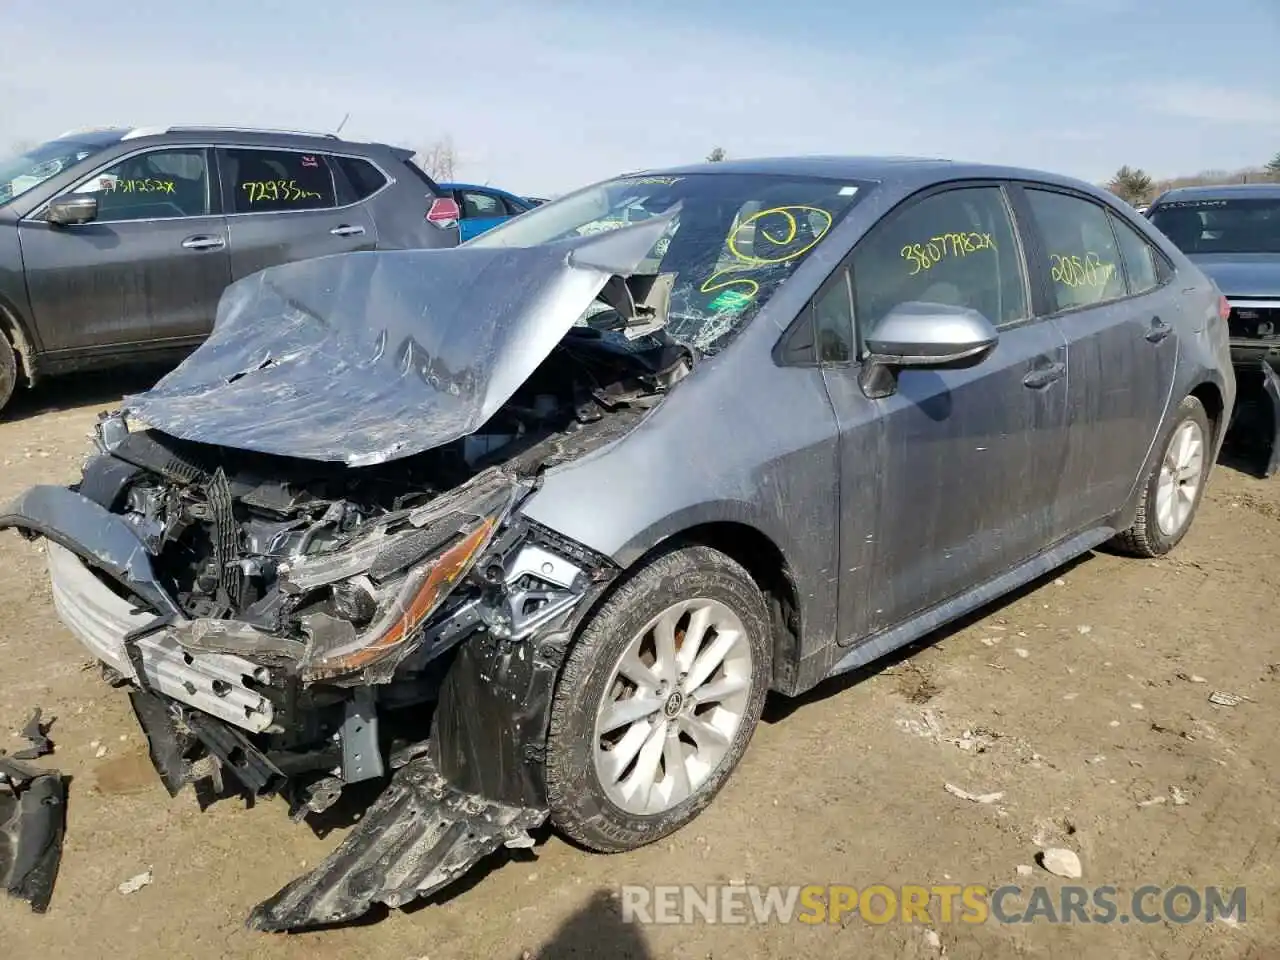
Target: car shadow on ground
{"x": 778, "y": 708}
{"x": 1246, "y": 456}
{"x": 69, "y": 391}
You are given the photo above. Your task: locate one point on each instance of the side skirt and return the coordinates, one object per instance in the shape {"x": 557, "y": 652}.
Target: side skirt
{"x": 877, "y": 645}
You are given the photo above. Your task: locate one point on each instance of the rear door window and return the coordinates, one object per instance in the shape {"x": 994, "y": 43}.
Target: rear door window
{"x": 476, "y": 204}
{"x": 160, "y": 185}
{"x": 1083, "y": 262}
{"x": 956, "y": 248}
{"x": 269, "y": 181}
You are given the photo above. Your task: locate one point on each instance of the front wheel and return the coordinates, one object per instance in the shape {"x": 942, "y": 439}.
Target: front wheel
{"x": 658, "y": 699}
{"x": 1172, "y": 490}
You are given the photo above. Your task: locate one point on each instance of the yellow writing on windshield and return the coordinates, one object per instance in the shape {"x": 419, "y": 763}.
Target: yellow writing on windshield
{"x": 927, "y": 255}
{"x": 650, "y": 181}
{"x": 773, "y": 236}
{"x": 1073, "y": 271}
{"x": 260, "y": 191}
{"x": 138, "y": 186}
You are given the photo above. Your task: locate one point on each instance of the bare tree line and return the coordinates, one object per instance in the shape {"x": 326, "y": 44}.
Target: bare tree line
{"x": 1135, "y": 185}
{"x": 438, "y": 159}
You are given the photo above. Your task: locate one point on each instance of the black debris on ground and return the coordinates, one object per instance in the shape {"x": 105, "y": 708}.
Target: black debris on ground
{"x": 37, "y": 733}
{"x": 33, "y": 805}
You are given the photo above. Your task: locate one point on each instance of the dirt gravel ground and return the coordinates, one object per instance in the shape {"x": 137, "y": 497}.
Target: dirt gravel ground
{"x": 1080, "y": 696}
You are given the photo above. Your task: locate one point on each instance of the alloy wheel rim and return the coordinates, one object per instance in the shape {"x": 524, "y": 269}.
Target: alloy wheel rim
{"x": 673, "y": 705}
{"x": 1181, "y": 474}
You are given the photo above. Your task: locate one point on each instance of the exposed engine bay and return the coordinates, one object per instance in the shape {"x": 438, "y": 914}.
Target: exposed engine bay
{"x": 313, "y": 602}
{"x": 357, "y": 575}
{"x": 257, "y": 538}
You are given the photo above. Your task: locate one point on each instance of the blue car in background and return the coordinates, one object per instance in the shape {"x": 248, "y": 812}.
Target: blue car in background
{"x": 483, "y": 208}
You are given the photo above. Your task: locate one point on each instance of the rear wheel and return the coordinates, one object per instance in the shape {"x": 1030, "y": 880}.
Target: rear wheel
{"x": 1173, "y": 488}
{"x": 658, "y": 699}
{"x": 8, "y": 371}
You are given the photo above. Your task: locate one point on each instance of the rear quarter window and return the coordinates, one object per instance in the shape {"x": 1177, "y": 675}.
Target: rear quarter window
{"x": 356, "y": 178}
{"x": 1141, "y": 262}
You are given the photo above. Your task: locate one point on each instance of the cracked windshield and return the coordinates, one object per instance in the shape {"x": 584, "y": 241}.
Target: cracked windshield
{"x": 30, "y": 168}
{"x": 733, "y": 240}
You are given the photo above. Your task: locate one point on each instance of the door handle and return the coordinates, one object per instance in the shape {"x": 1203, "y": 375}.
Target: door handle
{"x": 346, "y": 230}
{"x": 204, "y": 243}
{"x": 1159, "y": 330}
{"x": 1041, "y": 377}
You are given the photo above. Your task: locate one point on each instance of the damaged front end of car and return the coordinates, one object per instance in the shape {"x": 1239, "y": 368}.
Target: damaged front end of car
{"x": 311, "y": 568}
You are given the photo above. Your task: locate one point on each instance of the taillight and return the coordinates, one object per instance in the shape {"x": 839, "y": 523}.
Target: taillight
{"x": 444, "y": 212}
{"x": 1224, "y": 308}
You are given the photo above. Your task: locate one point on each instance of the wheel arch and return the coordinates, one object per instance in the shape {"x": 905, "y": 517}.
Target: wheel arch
{"x": 767, "y": 565}
{"x": 1210, "y": 396}
{"x": 1209, "y": 391}
{"x": 15, "y": 329}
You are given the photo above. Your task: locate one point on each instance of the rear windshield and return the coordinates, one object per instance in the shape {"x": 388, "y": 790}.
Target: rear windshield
{"x": 733, "y": 240}
{"x": 1241, "y": 225}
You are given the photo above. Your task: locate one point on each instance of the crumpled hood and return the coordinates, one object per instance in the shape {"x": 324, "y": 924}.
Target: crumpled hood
{"x": 1241, "y": 275}
{"x": 370, "y": 356}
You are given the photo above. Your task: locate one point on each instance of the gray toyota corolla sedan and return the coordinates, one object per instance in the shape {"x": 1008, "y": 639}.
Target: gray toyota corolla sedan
{"x": 526, "y": 530}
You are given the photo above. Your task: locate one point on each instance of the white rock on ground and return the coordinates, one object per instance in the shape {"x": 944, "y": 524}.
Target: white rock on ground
{"x": 134, "y": 884}
{"x": 975, "y": 797}
{"x": 1062, "y": 862}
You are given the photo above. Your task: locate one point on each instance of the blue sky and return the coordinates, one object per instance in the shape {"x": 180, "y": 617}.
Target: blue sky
{"x": 542, "y": 96}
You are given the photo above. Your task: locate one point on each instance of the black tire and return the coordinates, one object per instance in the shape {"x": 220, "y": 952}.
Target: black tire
{"x": 8, "y": 371}
{"x": 1145, "y": 538}
{"x": 580, "y": 808}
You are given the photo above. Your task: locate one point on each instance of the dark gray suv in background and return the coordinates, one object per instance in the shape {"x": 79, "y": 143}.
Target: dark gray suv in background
{"x": 1232, "y": 233}
{"x": 116, "y": 244}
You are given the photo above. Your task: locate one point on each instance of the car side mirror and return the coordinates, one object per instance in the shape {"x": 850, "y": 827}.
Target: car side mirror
{"x": 70, "y": 210}
{"x": 930, "y": 335}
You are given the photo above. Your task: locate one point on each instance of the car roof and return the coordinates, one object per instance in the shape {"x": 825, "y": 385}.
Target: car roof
{"x": 884, "y": 169}
{"x": 1222, "y": 191}
{"x": 249, "y": 136}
